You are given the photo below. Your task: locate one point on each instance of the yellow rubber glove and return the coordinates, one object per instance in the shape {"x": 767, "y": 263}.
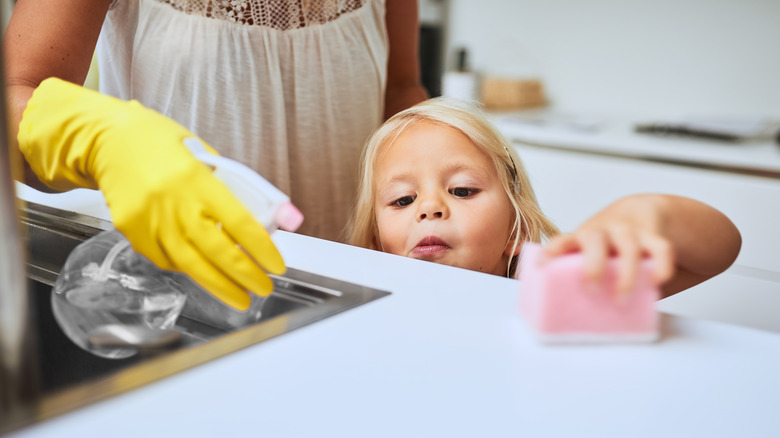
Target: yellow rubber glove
{"x": 167, "y": 203}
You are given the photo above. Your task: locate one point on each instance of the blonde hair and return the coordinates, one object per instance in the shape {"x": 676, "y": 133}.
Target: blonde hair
{"x": 469, "y": 119}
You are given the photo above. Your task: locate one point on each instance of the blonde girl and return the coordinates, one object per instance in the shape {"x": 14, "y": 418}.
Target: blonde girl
{"x": 528, "y": 222}
{"x": 439, "y": 183}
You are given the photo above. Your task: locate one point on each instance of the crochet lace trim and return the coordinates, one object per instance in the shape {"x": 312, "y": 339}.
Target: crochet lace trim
{"x": 277, "y": 14}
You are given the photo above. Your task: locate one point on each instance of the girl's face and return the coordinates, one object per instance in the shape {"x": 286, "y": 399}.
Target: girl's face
{"x": 438, "y": 198}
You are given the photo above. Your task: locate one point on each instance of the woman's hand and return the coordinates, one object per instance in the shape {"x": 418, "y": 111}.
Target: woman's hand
{"x": 169, "y": 205}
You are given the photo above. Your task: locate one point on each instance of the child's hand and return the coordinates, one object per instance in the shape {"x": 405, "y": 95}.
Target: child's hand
{"x": 630, "y": 232}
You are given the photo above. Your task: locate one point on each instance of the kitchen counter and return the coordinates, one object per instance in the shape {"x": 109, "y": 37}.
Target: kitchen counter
{"x": 447, "y": 355}
{"x": 616, "y": 136}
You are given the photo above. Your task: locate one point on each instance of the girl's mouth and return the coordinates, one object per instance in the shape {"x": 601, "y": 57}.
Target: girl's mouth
{"x": 430, "y": 247}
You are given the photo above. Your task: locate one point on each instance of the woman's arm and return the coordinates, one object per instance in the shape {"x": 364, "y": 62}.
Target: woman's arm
{"x": 48, "y": 38}
{"x": 170, "y": 206}
{"x": 688, "y": 241}
{"x": 404, "y": 87}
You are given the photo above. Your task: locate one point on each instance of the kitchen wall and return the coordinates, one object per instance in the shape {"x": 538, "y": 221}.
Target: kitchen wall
{"x": 666, "y": 57}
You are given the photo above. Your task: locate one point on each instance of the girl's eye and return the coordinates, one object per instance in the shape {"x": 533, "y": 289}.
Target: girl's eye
{"x": 403, "y": 201}
{"x": 463, "y": 192}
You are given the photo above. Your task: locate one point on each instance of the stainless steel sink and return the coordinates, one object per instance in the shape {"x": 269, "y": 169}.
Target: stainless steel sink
{"x": 70, "y": 378}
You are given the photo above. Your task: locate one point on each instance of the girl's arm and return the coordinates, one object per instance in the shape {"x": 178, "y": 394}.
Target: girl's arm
{"x": 404, "y": 87}
{"x": 688, "y": 241}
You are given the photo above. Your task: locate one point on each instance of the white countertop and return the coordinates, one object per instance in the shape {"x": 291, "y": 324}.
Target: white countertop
{"x": 448, "y": 355}
{"x": 616, "y": 136}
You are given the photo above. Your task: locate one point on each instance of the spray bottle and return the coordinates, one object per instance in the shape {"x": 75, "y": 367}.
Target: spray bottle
{"x": 111, "y": 301}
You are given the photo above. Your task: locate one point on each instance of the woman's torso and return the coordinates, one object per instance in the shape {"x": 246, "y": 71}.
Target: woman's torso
{"x": 290, "y": 88}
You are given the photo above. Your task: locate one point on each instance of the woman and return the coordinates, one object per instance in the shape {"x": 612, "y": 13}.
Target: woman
{"x": 290, "y": 88}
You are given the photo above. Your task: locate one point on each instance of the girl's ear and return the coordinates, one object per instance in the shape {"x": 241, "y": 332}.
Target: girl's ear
{"x": 510, "y": 250}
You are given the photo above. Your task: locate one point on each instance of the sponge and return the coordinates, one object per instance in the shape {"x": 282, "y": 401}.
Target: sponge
{"x": 559, "y": 308}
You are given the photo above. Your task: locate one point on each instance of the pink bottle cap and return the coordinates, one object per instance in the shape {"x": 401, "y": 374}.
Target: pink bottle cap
{"x": 288, "y": 217}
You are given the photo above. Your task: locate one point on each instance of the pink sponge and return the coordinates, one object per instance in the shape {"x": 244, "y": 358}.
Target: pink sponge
{"x": 557, "y": 305}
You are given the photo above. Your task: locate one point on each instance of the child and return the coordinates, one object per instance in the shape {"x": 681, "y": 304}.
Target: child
{"x": 439, "y": 183}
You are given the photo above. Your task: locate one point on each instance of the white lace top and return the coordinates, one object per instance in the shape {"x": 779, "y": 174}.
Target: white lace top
{"x": 291, "y": 88}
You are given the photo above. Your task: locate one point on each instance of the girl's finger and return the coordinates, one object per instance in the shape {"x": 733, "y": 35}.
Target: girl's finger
{"x": 559, "y": 245}
{"x": 595, "y": 250}
{"x": 661, "y": 252}
{"x": 629, "y": 254}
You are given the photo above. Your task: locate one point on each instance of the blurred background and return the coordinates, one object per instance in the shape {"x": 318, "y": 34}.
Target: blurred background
{"x": 688, "y": 56}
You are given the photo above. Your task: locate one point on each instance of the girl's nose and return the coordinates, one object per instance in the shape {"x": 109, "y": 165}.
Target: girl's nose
{"x": 432, "y": 208}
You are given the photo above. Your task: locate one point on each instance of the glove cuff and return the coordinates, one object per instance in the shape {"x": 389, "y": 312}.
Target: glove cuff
{"x": 52, "y": 138}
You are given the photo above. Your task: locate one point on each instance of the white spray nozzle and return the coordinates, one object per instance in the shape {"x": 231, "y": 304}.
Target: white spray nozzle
{"x": 269, "y": 205}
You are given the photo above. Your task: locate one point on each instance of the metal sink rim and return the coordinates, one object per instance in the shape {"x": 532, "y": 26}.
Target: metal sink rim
{"x": 339, "y": 296}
